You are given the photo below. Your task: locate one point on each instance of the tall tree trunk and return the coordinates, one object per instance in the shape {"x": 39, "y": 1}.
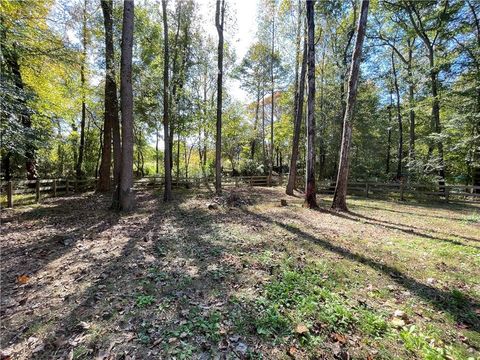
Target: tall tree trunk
{"x": 340, "y": 195}
{"x": 127, "y": 196}
{"x": 436, "y": 117}
{"x": 272, "y": 81}
{"x": 178, "y": 158}
{"x": 264, "y": 150}
{"x": 399, "y": 120}
{"x": 219, "y": 21}
{"x": 117, "y": 137}
{"x": 157, "y": 152}
{"x": 99, "y": 158}
{"x": 411, "y": 101}
{"x": 292, "y": 176}
{"x": 255, "y": 126}
{"x": 174, "y": 81}
{"x": 344, "y": 72}
{"x": 202, "y": 147}
{"x": 81, "y": 149}
{"x": 389, "y": 135}
{"x": 167, "y": 194}
{"x": 321, "y": 131}
{"x": 6, "y": 167}
{"x": 298, "y": 53}
{"x": 111, "y": 102}
{"x": 310, "y": 190}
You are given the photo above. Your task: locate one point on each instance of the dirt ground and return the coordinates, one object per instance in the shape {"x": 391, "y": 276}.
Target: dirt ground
{"x": 209, "y": 277}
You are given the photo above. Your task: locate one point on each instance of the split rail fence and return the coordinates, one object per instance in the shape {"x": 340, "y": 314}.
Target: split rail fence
{"x": 32, "y": 191}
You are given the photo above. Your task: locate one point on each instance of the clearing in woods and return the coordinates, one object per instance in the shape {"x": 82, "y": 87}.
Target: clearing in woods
{"x": 247, "y": 278}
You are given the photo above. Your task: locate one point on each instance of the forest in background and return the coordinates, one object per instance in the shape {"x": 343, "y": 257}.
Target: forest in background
{"x": 416, "y": 115}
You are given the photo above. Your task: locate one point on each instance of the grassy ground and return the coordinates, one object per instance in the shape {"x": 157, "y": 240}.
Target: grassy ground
{"x": 245, "y": 279}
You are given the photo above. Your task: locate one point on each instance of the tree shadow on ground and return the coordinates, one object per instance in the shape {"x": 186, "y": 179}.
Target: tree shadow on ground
{"x": 440, "y": 299}
{"x": 376, "y": 222}
{"x": 452, "y": 205}
{"x": 409, "y": 213}
{"x": 60, "y": 238}
{"x": 171, "y": 257}
{"x": 414, "y": 232}
{"x": 53, "y": 236}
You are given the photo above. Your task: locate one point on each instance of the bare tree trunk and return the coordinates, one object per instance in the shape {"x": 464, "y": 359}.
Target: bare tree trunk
{"x": 174, "y": 82}
{"x": 389, "y": 138}
{"x": 157, "y": 153}
{"x": 6, "y": 167}
{"x": 167, "y": 194}
{"x": 436, "y": 117}
{"x": 81, "y": 149}
{"x": 219, "y": 21}
{"x": 142, "y": 163}
{"x": 127, "y": 196}
{"x": 340, "y": 195}
{"x": 344, "y": 72}
{"x": 187, "y": 155}
{"x": 411, "y": 101}
{"x": 310, "y": 189}
{"x": 255, "y": 126}
{"x": 292, "y": 176}
{"x": 100, "y": 153}
{"x": 117, "y": 138}
{"x": 202, "y": 147}
{"x": 111, "y": 102}
{"x": 272, "y": 80}
{"x": 321, "y": 143}
{"x": 399, "y": 119}
{"x": 264, "y": 150}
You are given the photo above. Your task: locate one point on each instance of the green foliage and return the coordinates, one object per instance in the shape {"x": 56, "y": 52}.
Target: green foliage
{"x": 371, "y": 323}
{"x": 307, "y": 295}
{"x": 472, "y": 218}
{"x": 271, "y": 322}
{"x": 199, "y": 323}
{"x": 145, "y": 300}
{"x": 80, "y": 352}
{"x": 251, "y": 167}
{"x": 428, "y": 346}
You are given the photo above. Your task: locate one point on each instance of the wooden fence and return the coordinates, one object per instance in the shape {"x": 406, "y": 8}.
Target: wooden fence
{"x": 32, "y": 191}
{"x": 404, "y": 191}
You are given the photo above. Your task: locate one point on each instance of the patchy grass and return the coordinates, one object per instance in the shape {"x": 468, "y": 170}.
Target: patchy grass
{"x": 251, "y": 279}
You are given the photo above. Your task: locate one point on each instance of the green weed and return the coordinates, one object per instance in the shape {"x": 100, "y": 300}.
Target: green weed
{"x": 145, "y": 300}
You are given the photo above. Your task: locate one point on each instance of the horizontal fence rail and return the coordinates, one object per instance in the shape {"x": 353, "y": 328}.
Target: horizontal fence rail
{"x": 32, "y": 191}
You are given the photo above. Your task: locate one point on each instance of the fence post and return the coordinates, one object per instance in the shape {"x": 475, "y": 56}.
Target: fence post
{"x": 401, "y": 191}
{"x": 54, "y": 187}
{"x": 66, "y": 186}
{"x": 75, "y": 185}
{"x": 37, "y": 191}
{"x": 366, "y": 188}
{"x": 10, "y": 194}
{"x": 447, "y": 194}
